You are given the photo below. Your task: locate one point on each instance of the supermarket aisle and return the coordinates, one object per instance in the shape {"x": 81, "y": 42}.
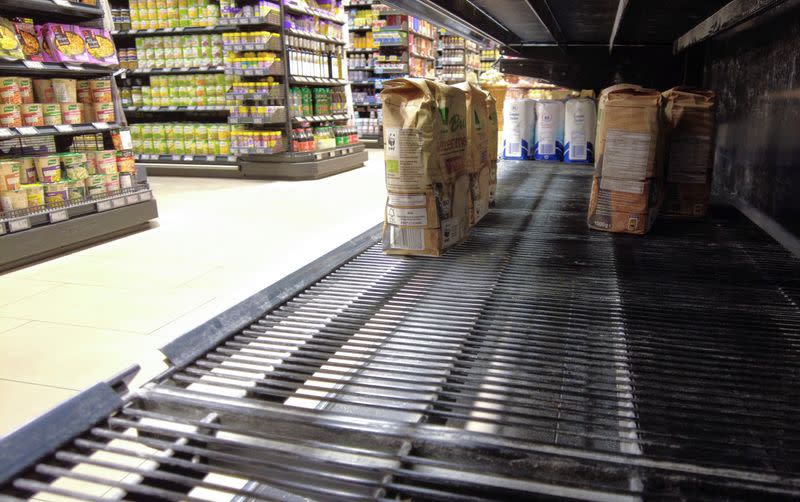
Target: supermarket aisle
{"x": 72, "y": 321}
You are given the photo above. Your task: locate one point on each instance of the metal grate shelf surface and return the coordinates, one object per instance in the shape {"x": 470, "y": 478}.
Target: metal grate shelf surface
{"x": 537, "y": 359}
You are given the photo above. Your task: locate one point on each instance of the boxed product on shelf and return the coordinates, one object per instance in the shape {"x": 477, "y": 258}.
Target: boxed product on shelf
{"x": 182, "y": 138}
{"x": 626, "y": 192}
{"x": 425, "y": 141}
{"x": 691, "y": 124}
{"x": 154, "y": 14}
{"x": 177, "y": 51}
{"x": 263, "y": 8}
{"x": 41, "y": 102}
{"x": 477, "y": 152}
{"x": 549, "y": 138}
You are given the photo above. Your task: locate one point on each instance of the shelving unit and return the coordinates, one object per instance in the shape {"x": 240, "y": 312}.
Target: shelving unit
{"x": 458, "y": 58}
{"x": 254, "y": 118}
{"x": 37, "y": 231}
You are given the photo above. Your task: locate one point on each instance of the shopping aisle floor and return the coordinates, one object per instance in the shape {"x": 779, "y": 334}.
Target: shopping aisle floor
{"x": 72, "y": 321}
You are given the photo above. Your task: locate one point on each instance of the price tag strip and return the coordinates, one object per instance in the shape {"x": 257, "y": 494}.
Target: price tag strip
{"x": 118, "y": 202}
{"x": 27, "y": 131}
{"x": 100, "y": 125}
{"x": 59, "y": 215}
{"x": 64, "y": 128}
{"x": 103, "y": 205}
{"x": 19, "y": 224}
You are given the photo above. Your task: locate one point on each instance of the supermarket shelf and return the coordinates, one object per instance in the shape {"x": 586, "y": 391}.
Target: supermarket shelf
{"x": 273, "y": 45}
{"x": 489, "y": 60}
{"x": 420, "y": 56}
{"x": 390, "y": 44}
{"x": 276, "y": 70}
{"x": 305, "y": 165}
{"x": 391, "y": 13}
{"x": 189, "y": 30}
{"x": 46, "y": 8}
{"x": 194, "y": 169}
{"x": 421, "y": 35}
{"x": 358, "y": 5}
{"x": 362, "y": 51}
{"x": 176, "y": 71}
{"x": 321, "y": 118}
{"x": 361, "y": 68}
{"x": 364, "y": 82}
{"x": 370, "y": 105}
{"x": 36, "y": 238}
{"x": 7, "y": 133}
{"x": 176, "y": 109}
{"x": 254, "y": 96}
{"x": 314, "y": 36}
{"x": 296, "y": 9}
{"x": 274, "y": 19}
{"x": 181, "y": 159}
{"x": 37, "y": 68}
{"x": 357, "y": 29}
{"x": 391, "y": 71}
{"x": 372, "y": 141}
{"x": 317, "y": 81}
{"x": 277, "y": 119}
{"x": 258, "y": 151}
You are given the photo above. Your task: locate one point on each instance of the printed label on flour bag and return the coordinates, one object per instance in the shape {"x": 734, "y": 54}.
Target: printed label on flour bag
{"x": 406, "y": 199}
{"x": 627, "y": 154}
{"x": 407, "y": 216}
{"x": 404, "y": 166}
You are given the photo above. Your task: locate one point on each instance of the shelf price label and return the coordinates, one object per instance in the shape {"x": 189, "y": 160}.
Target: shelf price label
{"x": 64, "y": 128}
{"x": 132, "y": 199}
{"x": 34, "y": 65}
{"x": 100, "y": 125}
{"x": 103, "y": 205}
{"x": 144, "y": 196}
{"x": 2, "y": 228}
{"x": 60, "y": 215}
{"x": 176, "y": 158}
{"x": 126, "y": 140}
{"x": 6, "y": 132}
{"x": 19, "y": 224}
{"x": 73, "y": 67}
{"x": 188, "y": 157}
{"x": 172, "y": 108}
{"x": 118, "y": 202}
{"x": 62, "y": 3}
{"x": 27, "y": 131}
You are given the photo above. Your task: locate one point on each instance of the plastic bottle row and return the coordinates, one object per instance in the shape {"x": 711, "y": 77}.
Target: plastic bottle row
{"x": 306, "y": 101}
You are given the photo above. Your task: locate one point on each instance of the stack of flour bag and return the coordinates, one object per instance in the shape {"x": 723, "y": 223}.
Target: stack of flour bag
{"x": 652, "y": 151}
{"x": 440, "y": 148}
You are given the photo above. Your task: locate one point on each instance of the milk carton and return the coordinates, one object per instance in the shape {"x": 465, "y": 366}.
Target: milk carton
{"x": 580, "y": 123}
{"x": 519, "y": 116}
{"x": 549, "y": 130}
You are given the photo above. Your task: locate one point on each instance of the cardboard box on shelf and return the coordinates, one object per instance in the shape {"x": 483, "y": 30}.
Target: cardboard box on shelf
{"x": 690, "y": 117}
{"x": 425, "y": 142}
{"x": 624, "y": 205}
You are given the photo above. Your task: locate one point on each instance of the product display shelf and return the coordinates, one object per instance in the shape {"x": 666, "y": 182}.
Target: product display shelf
{"x": 174, "y": 71}
{"x": 175, "y": 109}
{"x": 35, "y": 232}
{"x": 62, "y": 10}
{"x": 458, "y": 58}
{"x": 188, "y": 30}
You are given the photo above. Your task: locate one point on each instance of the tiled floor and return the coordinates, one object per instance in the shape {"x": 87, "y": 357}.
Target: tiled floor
{"x": 77, "y": 319}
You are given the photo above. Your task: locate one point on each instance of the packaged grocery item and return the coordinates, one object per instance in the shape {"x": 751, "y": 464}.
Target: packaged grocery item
{"x": 32, "y": 114}
{"x": 105, "y": 162}
{"x": 27, "y": 170}
{"x": 48, "y": 168}
{"x": 10, "y": 48}
{"x": 111, "y": 182}
{"x": 25, "y": 89}
{"x": 35, "y": 194}
{"x": 628, "y": 134}
{"x": 100, "y": 48}
{"x": 29, "y": 40}
{"x": 493, "y": 132}
{"x": 103, "y": 112}
{"x": 425, "y": 137}
{"x": 100, "y": 90}
{"x": 12, "y": 200}
{"x": 626, "y": 193}
{"x": 690, "y": 151}
{"x": 125, "y": 161}
{"x": 76, "y": 190}
{"x": 477, "y": 151}
{"x": 43, "y": 91}
{"x": 65, "y": 90}
{"x": 9, "y": 174}
{"x": 84, "y": 92}
{"x": 73, "y": 160}
{"x": 95, "y": 185}
{"x": 9, "y": 91}
{"x": 63, "y": 43}
{"x": 126, "y": 180}
{"x": 52, "y": 114}
{"x": 10, "y": 116}
{"x": 519, "y": 116}
{"x": 72, "y": 113}
{"x": 87, "y": 113}
{"x": 580, "y": 123}
{"x": 55, "y": 194}
{"x": 549, "y": 140}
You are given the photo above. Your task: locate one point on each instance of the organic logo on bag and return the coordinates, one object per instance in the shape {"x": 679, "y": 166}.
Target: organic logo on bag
{"x": 478, "y": 124}
{"x": 454, "y": 123}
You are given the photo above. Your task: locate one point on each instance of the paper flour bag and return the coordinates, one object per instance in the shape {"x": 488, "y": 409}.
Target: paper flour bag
{"x": 478, "y": 163}
{"x": 425, "y": 142}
